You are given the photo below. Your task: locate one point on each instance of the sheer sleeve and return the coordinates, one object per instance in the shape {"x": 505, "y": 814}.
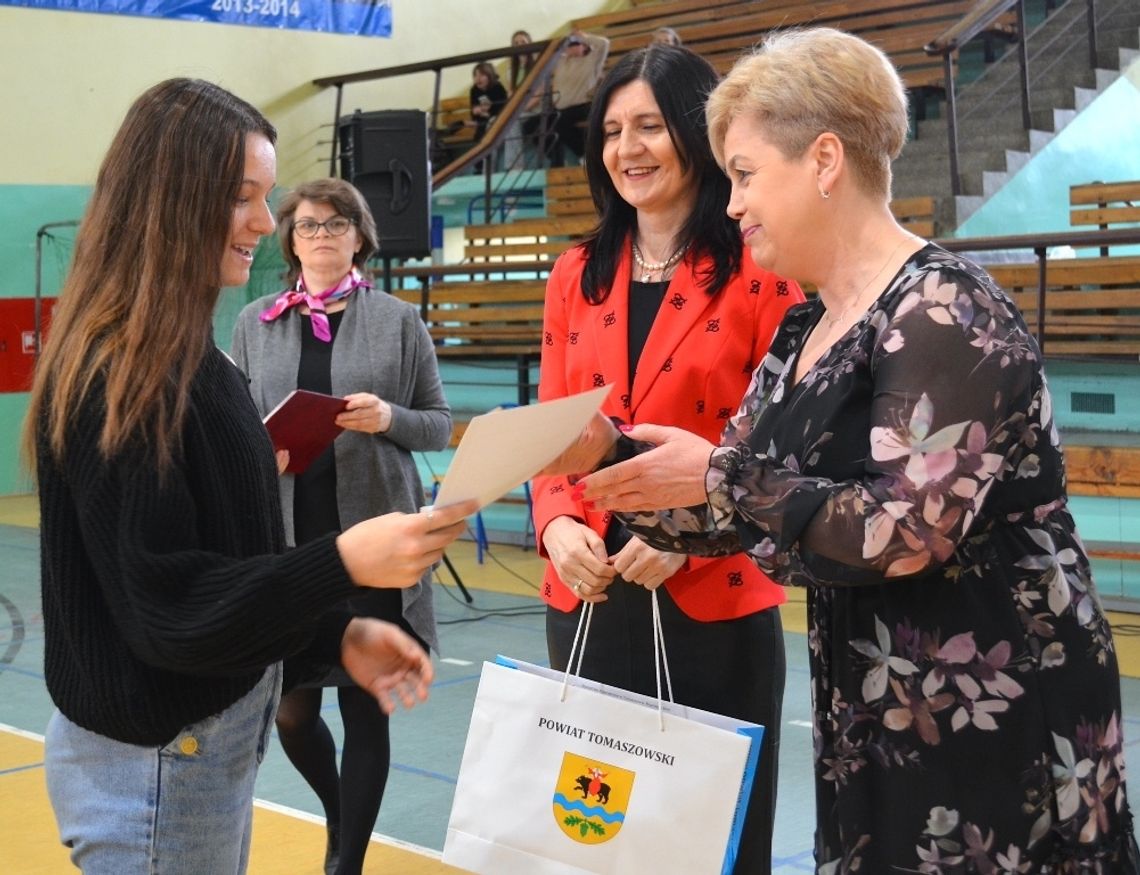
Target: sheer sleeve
{"x": 954, "y": 391}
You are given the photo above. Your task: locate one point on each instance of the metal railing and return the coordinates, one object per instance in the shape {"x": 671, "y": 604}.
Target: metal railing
{"x": 1040, "y": 244}
{"x": 538, "y": 78}
{"x": 980, "y": 18}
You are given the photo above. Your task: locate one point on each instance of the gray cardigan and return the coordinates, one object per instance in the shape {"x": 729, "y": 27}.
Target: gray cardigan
{"x": 381, "y": 347}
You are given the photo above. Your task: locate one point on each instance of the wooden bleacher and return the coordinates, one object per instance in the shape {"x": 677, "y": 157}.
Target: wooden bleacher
{"x": 483, "y": 318}
{"x": 1104, "y": 471}
{"x": 568, "y": 194}
{"x": 1092, "y": 305}
{"x": 455, "y": 128}
{"x": 1096, "y": 466}
{"x": 1104, "y": 205}
{"x": 721, "y": 31}
{"x": 494, "y": 308}
{"x": 502, "y": 317}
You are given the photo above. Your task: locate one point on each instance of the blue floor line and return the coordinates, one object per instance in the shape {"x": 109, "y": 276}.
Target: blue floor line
{"x": 27, "y": 639}
{"x": 465, "y": 679}
{"x": 6, "y": 669}
{"x": 17, "y": 769}
{"x": 424, "y": 773}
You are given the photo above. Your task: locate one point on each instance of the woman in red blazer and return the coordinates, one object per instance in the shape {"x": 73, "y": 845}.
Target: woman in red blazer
{"x": 663, "y": 302}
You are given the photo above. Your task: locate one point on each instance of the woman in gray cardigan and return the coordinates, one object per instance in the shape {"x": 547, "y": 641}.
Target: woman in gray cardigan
{"x": 331, "y": 332}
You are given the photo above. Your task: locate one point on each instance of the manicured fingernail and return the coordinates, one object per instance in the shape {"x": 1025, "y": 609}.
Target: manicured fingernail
{"x": 578, "y": 491}
{"x": 589, "y": 505}
{"x": 624, "y": 428}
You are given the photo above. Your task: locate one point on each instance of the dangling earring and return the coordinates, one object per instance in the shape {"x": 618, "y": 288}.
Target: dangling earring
{"x": 824, "y": 194}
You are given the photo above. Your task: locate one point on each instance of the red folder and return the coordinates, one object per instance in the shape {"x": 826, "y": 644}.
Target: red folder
{"x": 304, "y": 424}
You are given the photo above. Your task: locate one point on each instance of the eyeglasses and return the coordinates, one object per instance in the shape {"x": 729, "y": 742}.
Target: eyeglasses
{"x": 336, "y": 226}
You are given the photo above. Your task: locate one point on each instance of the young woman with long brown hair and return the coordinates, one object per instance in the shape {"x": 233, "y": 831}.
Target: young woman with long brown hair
{"x": 166, "y": 603}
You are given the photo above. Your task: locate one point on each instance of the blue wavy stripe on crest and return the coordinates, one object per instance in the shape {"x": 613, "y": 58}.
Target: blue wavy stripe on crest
{"x": 589, "y": 810}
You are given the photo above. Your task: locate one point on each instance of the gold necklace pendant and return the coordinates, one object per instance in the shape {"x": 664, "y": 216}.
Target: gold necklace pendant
{"x": 832, "y": 321}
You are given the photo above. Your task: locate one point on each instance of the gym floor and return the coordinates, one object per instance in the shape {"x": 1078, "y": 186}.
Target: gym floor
{"x": 505, "y": 616}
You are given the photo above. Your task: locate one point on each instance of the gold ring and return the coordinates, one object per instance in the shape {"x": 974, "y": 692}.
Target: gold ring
{"x": 578, "y": 585}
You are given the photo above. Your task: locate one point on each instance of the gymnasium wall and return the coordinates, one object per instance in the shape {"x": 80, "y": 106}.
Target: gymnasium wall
{"x": 68, "y": 78}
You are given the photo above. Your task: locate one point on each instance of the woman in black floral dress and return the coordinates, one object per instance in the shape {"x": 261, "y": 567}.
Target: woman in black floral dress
{"x": 896, "y": 454}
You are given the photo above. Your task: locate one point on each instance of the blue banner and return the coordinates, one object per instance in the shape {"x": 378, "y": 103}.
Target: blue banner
{"x": 356, "y": 17}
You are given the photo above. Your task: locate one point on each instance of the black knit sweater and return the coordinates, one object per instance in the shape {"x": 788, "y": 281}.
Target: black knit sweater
{"x": 165, "y": 599}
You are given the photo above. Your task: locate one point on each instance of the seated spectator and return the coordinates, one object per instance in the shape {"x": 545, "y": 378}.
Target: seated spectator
{"x": 665, "y": 36}
{"x": 576, "y": 74}
{"x": 488, "y": 97}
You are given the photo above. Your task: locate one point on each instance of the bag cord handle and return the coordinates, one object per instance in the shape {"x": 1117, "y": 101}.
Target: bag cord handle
{"x": 660, "y": 657}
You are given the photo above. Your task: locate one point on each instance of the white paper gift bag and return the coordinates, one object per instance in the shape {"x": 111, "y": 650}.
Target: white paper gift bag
{"x": 598, "y": 780}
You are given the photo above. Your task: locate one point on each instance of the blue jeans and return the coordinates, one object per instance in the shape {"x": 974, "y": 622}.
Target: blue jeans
{"x": 182, "y": 809}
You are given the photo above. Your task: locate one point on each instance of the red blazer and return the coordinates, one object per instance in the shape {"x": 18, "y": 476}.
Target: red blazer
{"x": 693, "y": 372}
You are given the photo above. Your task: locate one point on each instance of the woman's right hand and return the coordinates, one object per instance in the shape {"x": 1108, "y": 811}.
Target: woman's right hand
{"x": 579, "y": 557}
{"x": 394, "y": 550}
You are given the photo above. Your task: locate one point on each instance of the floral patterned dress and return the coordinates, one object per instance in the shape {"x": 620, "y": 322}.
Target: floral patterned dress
{"x": 965, "y": 688}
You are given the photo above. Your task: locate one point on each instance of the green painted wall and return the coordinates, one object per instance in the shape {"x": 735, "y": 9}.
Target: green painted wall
{"x": 24, "y": 209}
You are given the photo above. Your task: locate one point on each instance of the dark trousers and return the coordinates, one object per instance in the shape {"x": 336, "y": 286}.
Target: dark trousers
{"x": 730, "y": 667}
{"x": 571, "y": 130}
{"x": 564, "y": 128}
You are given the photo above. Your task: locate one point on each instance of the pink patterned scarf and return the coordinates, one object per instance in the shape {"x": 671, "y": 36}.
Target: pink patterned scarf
{"x": 352, "y": 281}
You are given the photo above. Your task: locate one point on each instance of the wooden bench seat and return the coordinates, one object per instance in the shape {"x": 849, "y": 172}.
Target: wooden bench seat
{"x": 1124, "y": 551}
{"x": 1092, "y": 305}
{"x": 540, "y": 239}
{"x": 1103, "y": 470}
{"x": 1104, "y": 205}
{"x": 496, "y": 318}
{"x": 916, "y": 214}
{"x": 455, "y": 119}
{"x": 648, "y": 15}
{"x": 568, "y": 194}
{"x": 899, "y": 27}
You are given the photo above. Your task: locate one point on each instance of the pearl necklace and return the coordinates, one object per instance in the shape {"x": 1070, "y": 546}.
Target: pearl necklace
{"x": 648, "y": 269}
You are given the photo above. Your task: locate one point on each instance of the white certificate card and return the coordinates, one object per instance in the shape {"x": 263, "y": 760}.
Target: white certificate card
{"x": 504, "y": 448}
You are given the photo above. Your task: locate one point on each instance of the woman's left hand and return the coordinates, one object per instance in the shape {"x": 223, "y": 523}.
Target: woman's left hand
{"x": 670, "y": 475}
{"x": 588, "y": 449}
{"x": 365, "y": 413}
{"x": 646, "y": 566}
{"x": 387, "y": 662}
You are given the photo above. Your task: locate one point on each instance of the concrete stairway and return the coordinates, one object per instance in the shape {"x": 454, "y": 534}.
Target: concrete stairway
{"x": 993, "y": 145}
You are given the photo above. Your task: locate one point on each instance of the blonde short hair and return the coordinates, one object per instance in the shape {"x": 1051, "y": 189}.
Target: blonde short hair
{"x": 800, "y": 83}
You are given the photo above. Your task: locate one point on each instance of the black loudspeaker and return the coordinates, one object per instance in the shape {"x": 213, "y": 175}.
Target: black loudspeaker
{"x": 385, "y": 155}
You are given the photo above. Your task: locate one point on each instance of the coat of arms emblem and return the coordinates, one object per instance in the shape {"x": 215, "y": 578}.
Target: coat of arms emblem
{"x": 591, "y": 798}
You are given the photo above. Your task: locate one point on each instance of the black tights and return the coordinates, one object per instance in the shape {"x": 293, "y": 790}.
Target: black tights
{"x": 351, "y": 799}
